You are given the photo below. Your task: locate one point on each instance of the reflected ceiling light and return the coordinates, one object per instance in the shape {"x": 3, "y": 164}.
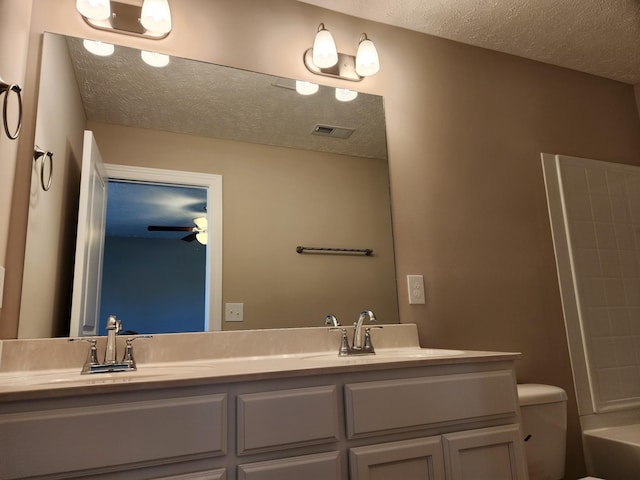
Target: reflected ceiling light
{"x": 155, "y": 59}
{"x": 306, "y": 88}
{"x": 345, "y": 95}
{"x": 149, "y": 19}
{"x": 101, "y": 49}
{"x": 367, "y": 61}
{"x": 321, "y": 59}
{"x": 155, "y": 16}
{"x": 94, "y": 9}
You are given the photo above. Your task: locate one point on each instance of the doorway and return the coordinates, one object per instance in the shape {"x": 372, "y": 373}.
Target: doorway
{"x": 162, "y": 280}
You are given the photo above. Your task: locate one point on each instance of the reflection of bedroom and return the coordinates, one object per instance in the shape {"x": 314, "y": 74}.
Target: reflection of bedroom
{"x": 154, "y": 278}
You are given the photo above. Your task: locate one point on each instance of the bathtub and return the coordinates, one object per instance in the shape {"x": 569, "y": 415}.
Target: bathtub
{"x": 612, "y": 444}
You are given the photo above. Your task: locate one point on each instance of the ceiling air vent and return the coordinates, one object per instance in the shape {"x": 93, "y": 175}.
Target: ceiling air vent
{"x": 329, "y": 131}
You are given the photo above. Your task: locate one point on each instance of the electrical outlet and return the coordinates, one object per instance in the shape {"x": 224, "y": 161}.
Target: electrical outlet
{"x": 415, "y": 284}
{"x": 233, "y": 312}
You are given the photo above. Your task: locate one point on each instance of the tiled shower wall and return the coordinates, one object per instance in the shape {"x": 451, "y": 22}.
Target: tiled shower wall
{"x": 602, "y": 214}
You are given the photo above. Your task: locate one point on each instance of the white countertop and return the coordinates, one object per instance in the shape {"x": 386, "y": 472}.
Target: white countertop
{"x": 50, "y": 368}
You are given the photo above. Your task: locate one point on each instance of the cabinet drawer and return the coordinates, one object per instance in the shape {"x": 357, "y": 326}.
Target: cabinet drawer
{"x": 76, "y": 439}
{"x": 409, "y": 404}
{"x": 322, "y": 466}
{"x": 287, "y": 418}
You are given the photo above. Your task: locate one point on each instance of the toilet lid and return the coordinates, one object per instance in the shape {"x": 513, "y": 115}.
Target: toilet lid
{"x": 536, "y": 394}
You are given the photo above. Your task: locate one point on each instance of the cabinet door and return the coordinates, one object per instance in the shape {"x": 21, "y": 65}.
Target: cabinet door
{"x": 485, "y": 454}
{"x": 419, "y": 459}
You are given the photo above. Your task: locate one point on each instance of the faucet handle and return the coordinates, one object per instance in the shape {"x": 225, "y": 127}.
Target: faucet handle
{"x": 344, "y": 341}
{"x": 368, "y": 346}
{"x": 128, "y": 351}
{"x": 92, "y": 357}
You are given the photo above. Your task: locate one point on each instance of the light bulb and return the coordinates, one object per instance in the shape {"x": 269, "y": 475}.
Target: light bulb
{"x": 155, "y": 59}
{"x": 367, "y": 61}
{"x": 94, "y": 9}
{"x": 306, "y": 88}
{"x": 156, "y": 16}
{"x": 345, "y": 95}
{"x": 325, "y": 54}
{"x": 101, "y": 49}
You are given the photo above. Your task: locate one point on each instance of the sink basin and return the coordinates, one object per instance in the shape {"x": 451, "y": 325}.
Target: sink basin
{"x": 381, "y": 355}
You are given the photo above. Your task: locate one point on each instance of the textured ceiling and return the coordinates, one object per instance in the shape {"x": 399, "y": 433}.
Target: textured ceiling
{"x": 601, "y": 37}
{"x": 204, "y": 99}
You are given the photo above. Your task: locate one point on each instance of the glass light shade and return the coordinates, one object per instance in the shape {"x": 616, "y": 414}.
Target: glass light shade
{"x": 202, "y": 237}
{"x": 325, "y": 54}
{"x": 155, "y": 59}
{"x": 201, "y": 222}
{"x": 345, "y": 95}
{"x": 367, "y": 61}
{"x": 306, "y": 88}
{"x": 94, "y": 9}
{"x": 101, "y": 49}
{"x": 156, "y": 16}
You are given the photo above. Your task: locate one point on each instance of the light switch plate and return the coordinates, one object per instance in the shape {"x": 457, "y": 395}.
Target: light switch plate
{"x": 233, "y": 312}
{"x": 415, "y": 285}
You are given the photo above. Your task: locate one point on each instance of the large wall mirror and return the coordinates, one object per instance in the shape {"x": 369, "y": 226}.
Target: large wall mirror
{"x": 297, "y": 170}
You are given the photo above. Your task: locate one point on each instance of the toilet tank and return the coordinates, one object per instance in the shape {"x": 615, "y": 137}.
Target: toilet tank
{"x": 544, "y": 426}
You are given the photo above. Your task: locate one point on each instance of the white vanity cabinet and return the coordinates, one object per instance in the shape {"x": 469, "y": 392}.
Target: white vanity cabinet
{"x": 443, "y": 403}
{"x": 406, "y": 420}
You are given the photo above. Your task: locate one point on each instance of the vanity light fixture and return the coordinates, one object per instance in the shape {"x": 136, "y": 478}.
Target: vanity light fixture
{"x": 345, "y": 94}
{"x": 325, "y": 53}
{"x": 154, "y": 59}
{"x": 324, "y": 59}
{"x": 94, "y": 9}
{"x": 367, "y": 61}
{"x": 102, "y": 49}
{"x": 306, "y": 88}
{"x": 149, "y": 18}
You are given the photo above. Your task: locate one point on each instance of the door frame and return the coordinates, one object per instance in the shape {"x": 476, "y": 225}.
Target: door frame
{"x": 213, "y": 184}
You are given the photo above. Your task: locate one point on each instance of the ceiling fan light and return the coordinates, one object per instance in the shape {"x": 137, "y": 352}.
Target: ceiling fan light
{"x": 325, "y": 54}
{"x": 202, "y": 237}
{"x": 367, "y": 60}
{"x": 201, "y": 222}
{"x": 94, "y": 9}
{"x": 156, "y": 16}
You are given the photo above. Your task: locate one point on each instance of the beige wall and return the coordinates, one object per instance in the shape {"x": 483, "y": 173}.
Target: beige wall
{"x": 465, "y": 128}
{"x": 273, "y": 200}
{"x": 53, "y": 214}
{"x": 15, "y": 18}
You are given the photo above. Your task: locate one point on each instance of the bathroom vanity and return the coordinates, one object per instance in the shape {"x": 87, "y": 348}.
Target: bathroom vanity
{"x": 405, "y": 412}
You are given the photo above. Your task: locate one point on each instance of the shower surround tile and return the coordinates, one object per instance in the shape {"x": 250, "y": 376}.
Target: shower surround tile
{"x": 602, "y": 212}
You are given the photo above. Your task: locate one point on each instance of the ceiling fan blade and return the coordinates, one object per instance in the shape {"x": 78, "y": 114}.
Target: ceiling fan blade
{"x": 189, "y": 238}
{"x": 161, "y": 228}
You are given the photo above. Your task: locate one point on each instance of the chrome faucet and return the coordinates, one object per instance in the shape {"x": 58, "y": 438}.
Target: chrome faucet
{"x": 114, "y": 326}
{"x": 331, "y": 321}
{"x": 358, "y": 336}
{"x": 110, "y": 364}
{"x": 361, "y": 344}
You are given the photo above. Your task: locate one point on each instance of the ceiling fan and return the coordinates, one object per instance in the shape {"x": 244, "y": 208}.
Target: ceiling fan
{"x": 199, "y": 232}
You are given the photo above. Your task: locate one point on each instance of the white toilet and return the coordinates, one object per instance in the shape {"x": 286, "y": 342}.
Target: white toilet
{"x": 544, "y": 425}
